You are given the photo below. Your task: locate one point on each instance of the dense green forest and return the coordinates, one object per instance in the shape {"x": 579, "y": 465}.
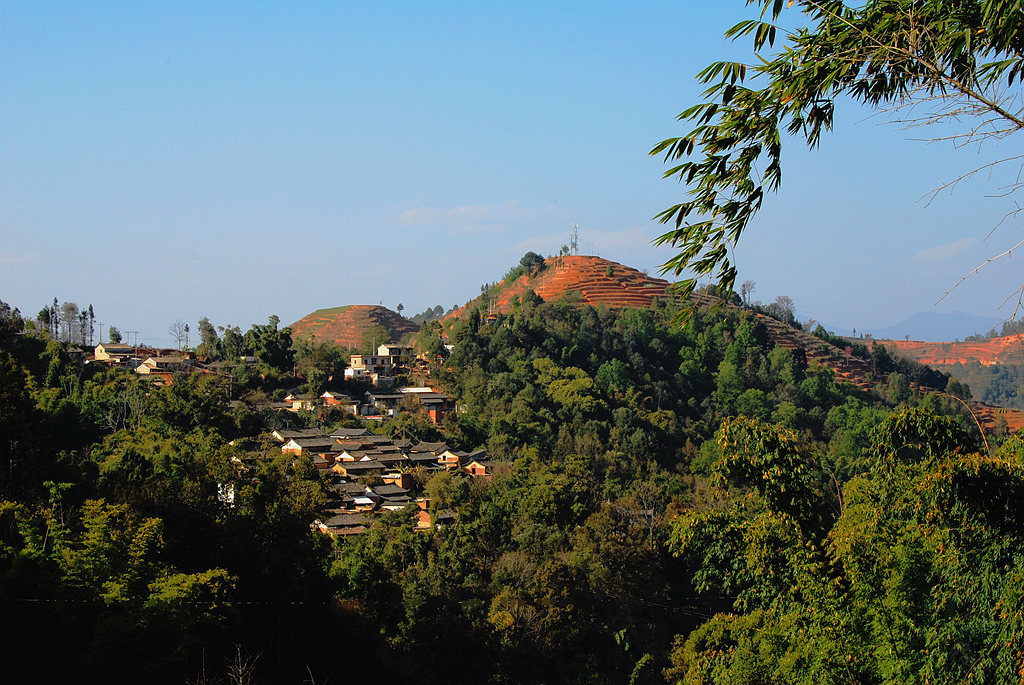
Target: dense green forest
{"x": 670, "y": 504}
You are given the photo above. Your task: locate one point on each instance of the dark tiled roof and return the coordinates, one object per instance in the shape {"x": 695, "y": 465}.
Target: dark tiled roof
{"x": 355, "y": 444}
{"x": 358, "y": 466}
{"x": 303, "y": 433}
{"x": 349, "y": 432}
{"x": 426, "y": 397}
{"x": 477, "y": 455}
{"x": 345, "y": 521}
{"x": 391, "y": 457}
{"x": 423, "y": 458}
{"x": 357, "y": 454}
{"x": 386, "y": 395}
{"x": 378, "y": 439}
{"x": 315, "y": 444}
{"x": 389, "y": 490}
{"x": 434, "y": 447}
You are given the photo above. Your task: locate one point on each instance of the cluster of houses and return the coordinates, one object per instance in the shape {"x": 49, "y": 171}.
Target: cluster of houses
{"x": 376, "y": 403}
{"x": 381, "y": 369}
{"x": 161, "y": 364}
{"x": 370, "y": 474}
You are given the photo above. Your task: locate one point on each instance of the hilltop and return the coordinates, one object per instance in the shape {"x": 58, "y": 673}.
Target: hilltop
{"x": 595, "y": 280}
{"x": 346, "y": 325}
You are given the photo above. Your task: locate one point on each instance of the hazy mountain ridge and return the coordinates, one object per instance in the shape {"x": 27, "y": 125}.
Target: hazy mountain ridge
{"x": 935, "y": 327}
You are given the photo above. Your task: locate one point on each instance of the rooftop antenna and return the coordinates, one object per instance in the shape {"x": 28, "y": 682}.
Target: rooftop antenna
{"x": 574, "y": 240}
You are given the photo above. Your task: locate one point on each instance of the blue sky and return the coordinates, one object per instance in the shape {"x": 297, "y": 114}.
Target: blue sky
{"x": 236, "y": 160}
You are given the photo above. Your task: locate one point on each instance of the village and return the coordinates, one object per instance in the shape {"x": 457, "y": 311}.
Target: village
{"x": 365, "y": 474}
{"x": 369, "y": 474}
{"x": 379, "y": 371}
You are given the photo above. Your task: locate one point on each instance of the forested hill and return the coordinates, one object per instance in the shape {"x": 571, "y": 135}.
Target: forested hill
{"x": 871, "y": 367}
{"x": 582, "y": 280}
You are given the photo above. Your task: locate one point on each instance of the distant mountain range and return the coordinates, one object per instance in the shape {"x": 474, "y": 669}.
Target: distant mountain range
{"x": 930, "y": 326}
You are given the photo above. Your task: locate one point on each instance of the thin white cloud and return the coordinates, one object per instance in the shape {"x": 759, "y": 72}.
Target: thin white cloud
{"x": 24, "y": 258}
{"x": 492, "y": 218}
{"x": 941, "y": 253}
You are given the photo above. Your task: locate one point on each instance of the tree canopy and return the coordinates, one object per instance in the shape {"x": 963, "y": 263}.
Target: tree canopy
{"x": 963, "y": 59}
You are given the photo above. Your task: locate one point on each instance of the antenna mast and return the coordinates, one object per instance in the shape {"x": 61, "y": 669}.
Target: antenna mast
{"x": 574, "y": 239}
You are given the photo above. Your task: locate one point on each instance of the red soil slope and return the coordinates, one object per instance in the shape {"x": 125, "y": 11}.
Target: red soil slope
{"x": 346, "y": 325}
{"x": 589, "y": 276}
{"x": 1009, "y": 350}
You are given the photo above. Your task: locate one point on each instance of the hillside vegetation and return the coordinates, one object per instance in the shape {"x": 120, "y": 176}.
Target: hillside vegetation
{"x": 668, "y": 504}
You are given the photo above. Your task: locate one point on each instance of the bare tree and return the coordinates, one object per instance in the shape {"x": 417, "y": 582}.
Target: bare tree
{"x": 746, "y": 290}
{"x": 242, "y": 667}
{"x": 178, "y": 331}
{"x": 782, "y": 308}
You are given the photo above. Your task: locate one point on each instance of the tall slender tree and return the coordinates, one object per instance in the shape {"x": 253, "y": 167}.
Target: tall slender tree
{"x": 92, "y": 319}
{"x": 55, "y": 319}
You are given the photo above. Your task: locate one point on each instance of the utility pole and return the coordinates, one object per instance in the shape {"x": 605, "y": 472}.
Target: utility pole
{"x": 135, "y": 347}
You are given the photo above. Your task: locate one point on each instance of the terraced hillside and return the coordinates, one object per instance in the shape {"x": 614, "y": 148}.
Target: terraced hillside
{"x": 346, "y": 325}
{"x": 596, "y": 280}
{"x": 1008, "y": 350}
{"x": 854, "y": 370}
